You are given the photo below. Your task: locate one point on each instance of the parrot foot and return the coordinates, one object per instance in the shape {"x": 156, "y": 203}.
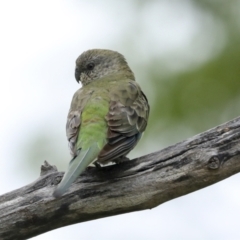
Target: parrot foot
{"x": 121, "y": 160}
{"x": 97, "y": 165}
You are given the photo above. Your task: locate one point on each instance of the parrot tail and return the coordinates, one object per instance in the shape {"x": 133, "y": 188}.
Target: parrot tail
{"x": 76, "y": 167}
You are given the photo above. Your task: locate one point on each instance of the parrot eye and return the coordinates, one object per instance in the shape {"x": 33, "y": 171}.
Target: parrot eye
{"x": 90, "y": 66}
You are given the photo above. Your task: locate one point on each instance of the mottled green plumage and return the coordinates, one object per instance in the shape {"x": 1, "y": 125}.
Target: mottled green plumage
{"x": 107, "y": 115}
{"x": 93, "y": 123}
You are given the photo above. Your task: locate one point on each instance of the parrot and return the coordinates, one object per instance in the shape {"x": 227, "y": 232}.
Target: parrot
{"x": 107, "y": 115}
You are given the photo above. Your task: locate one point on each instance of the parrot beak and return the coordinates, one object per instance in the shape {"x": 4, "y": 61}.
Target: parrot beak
{"x": 77, "y": 74}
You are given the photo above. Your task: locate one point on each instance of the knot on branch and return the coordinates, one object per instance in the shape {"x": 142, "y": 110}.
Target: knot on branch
{"x": 213, "y": 163}
{"x": 46, "y": 168}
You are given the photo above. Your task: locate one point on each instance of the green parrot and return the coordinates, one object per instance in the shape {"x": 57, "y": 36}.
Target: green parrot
{"x": 108, "y": 115}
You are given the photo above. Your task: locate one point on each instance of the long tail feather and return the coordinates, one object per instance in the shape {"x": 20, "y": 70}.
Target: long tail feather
{"x": 76, "y": 167}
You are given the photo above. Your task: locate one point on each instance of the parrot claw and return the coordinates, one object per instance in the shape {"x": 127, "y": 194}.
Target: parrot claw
{"x": 97, "y": 165}
{"x": 121, "y": 160}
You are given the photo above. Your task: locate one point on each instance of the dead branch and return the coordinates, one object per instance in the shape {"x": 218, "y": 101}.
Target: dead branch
{"x": 142, "y": 183}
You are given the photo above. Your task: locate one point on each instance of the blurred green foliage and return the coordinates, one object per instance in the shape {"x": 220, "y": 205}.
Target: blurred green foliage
{"x": 205, "y": 95}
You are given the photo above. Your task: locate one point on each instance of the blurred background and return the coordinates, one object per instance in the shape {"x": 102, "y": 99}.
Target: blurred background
{"x": 185, "y": 55}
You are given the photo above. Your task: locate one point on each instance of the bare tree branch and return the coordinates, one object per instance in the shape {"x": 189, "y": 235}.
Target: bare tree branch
{"x": 142, "y": 183}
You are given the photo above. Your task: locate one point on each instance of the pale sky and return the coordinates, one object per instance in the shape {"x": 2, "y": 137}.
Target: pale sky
{"x": 40, "y": 41}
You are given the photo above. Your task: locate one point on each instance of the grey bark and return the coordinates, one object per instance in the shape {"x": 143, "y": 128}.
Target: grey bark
{"x": 142, "y": 183}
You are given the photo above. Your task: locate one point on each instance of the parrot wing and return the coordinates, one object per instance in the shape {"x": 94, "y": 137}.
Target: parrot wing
{"x": 79, "y": 101}
{"x": 126, "y": 119}
{"x": 72, "y": 129}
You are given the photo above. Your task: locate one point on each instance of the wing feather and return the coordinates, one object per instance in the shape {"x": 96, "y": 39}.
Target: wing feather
{"x": 127, "y": 120}
{"x": 79, "y": 100}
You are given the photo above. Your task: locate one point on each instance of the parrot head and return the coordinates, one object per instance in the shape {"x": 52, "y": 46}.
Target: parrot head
{"x": 95, "y": 64}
